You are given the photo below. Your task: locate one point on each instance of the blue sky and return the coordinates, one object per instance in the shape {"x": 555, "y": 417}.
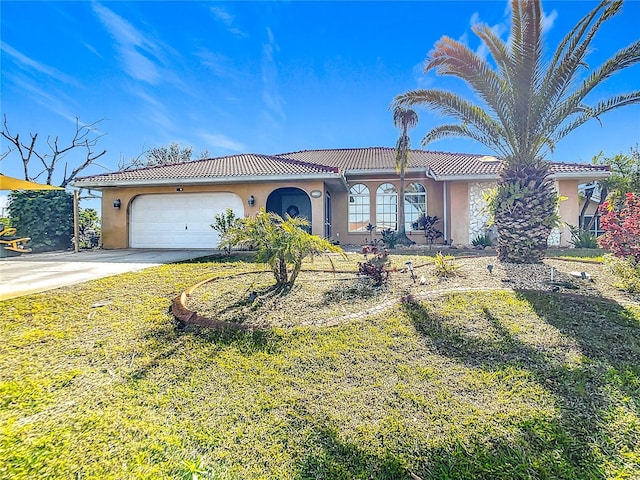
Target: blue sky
{"x": 261, "y": 77}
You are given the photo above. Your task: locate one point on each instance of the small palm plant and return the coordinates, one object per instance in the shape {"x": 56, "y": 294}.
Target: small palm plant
{"x": 282, "y": 243}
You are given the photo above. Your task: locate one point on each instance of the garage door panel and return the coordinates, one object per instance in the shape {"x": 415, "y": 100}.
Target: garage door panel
{"x": 179, "y": 220}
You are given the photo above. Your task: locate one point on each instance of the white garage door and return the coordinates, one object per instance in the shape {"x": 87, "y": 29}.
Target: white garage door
{"x": 180, "y": 220}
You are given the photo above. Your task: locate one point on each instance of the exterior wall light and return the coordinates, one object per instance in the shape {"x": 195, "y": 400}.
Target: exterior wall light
{"x": 251, "y": 200}
{"x": 117, "y": 204}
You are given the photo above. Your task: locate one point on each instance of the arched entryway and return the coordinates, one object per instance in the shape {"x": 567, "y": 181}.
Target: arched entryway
{"x": 291, "y": 201}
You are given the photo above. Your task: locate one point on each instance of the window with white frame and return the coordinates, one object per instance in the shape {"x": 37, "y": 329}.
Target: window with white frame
{"x": 387, "y": 207}
{"x": 415, "y": 204}
{"x": 595, "y": 227}
{"x": 359, "y": 208}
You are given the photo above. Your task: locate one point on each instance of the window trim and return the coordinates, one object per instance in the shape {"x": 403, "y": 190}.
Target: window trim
{"x": 365, "y": 214}
{"x": 381, "y": 216}
{"x": 408, "y": 225}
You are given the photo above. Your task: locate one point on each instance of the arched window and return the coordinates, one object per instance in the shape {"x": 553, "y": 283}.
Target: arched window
{"x": 415, "y": 204}
{"x": 359, "y": 208}
{"x": 387, "y": 207}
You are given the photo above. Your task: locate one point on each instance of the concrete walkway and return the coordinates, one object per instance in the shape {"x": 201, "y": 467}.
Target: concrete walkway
{"x": 38, "y": 272}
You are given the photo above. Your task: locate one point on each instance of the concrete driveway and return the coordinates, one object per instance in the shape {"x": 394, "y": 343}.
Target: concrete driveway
{"x": 38, "y": 272}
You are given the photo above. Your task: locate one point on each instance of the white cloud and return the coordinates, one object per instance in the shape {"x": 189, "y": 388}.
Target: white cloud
{"x": 549, "y": 20}
{"x": 228, "y": 20}
{"x": 31, "y": 64}
{"x": 218, "y": 64}
{"x": 217, "y": 140}
{"x": 270, "y": 93}
{"x": 58, "y": 102}
{"x": 498, "y": 29}
{"x": 135, "y": 49}
{"x": 475, "y": 19}
{"x": 153, "y": 110}
{"x": 92, "y": 49}
{"x": 422, "y": 80}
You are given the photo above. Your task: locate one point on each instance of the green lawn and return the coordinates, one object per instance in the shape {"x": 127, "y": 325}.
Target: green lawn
{"x": 96, "y": 382}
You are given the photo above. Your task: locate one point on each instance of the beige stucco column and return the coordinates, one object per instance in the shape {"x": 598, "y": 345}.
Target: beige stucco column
{"x": 568, "y": 209}
{"x": 459, "y": 212}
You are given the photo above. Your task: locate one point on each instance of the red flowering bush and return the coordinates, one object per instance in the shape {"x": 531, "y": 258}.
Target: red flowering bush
{"x": 621, "y": 225}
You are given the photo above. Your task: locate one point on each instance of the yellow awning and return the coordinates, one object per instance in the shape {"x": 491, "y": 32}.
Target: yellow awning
{"x": 10, "y": 183}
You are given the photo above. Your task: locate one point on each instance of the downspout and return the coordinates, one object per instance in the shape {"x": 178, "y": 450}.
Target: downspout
{"x": 445, "y": 208}
{"x": 431, "y": 174}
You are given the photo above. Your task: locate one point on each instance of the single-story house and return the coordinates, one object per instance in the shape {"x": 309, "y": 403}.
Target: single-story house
{"x": 340, "y": 192}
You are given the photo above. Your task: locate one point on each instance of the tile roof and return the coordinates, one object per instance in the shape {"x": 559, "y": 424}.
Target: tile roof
{"x": 332, "y": 162}
{"x": 441, "y": 164}
{"x": 231, "y": 166}
{"x": 378, "y": 158}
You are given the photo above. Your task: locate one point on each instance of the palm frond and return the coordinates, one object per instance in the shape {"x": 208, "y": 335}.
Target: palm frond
{"x": 574, "y": 103}
{"x": 403, "y": 145}
{"x": 453, "y": 105}
{"x": 596, "y": 111}
{"x": 451, "y": 57}
{"x": 566, "y": 62}
{"x": 463, "y": 130}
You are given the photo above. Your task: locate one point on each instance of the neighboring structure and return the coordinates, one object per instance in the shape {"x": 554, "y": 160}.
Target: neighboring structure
{"x": 340, "y": 191}
{"x": 591, "y": 210}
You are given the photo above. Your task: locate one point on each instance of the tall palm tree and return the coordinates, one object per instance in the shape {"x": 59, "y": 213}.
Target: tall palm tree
{"x": 403, "y": 118}
{"x": 528, "y": 103}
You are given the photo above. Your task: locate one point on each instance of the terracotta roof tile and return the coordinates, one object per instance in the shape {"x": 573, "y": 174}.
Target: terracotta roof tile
{"x": 344, "y": 161}
{"x": 231, "y": 166}
{"x": 442, "y": 164}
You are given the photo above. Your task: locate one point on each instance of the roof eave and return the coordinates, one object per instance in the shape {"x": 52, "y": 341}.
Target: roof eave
{"x": 593, "y": 175}
{"x": 205, "y": 180}
{"x": 378, "y": 171}
{"x": 455, "y": 178}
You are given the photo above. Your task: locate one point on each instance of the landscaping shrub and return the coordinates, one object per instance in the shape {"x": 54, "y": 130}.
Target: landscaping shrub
{"x": 223, "y": 222}
{"x": 482, "y": 240}
{"x": 88, "y": 228}
{"x": 376, "y": 267}
{"x": 621, "y": 224}
{"x": 281, "y": 243}
{"x": 581, "y": 238}
{"x": 626, "y": 271}
{"x": 389, "y": 238}
{"x": 45, "y": 216}
{"x": 427, "y": 224}
{"x": 445, "y": 266}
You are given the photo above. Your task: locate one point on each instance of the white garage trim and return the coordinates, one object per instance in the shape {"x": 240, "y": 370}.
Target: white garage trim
{"x": 179, "y": 220}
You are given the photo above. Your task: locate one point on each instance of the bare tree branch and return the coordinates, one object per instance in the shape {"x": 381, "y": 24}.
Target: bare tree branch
{"x": 83, "y": 138}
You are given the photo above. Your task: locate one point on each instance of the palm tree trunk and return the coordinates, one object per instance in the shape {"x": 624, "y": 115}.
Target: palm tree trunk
{"x": 525, "y": 214}
{"x": 402, "y": 238}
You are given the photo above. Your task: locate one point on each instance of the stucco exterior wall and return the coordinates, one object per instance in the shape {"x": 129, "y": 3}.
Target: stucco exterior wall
{"x": 459, "y": 208}
{"x": 340, "y": 207}
{"x": 115, "y": 222}
{"x": 569, "y": 211}
{"x": 462, "y": 221}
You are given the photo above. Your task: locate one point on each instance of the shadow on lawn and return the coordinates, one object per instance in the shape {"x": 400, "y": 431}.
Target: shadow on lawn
{"x": 239, "y": 256}
{"x": 609, "y": 339}
{"x": 333, "y": 459}
{"x": 170, "y": 342}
